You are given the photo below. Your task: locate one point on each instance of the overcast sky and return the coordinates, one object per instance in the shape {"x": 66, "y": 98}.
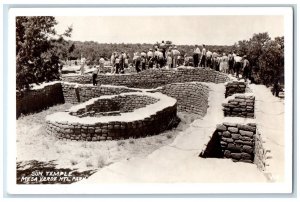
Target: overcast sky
{"x": 211, "y": 30}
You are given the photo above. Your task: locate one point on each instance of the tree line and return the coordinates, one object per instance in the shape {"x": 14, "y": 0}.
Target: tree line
{"x": 41, "y": 51}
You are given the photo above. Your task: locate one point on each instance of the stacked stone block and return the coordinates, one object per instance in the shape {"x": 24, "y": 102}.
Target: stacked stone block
{"x": 237, "y": 141}
{"x": 240, "y": 106}
{"x": 235, "y": 87}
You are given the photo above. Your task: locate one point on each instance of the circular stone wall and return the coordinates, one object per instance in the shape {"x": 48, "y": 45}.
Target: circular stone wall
{"x": 127, "y": 115}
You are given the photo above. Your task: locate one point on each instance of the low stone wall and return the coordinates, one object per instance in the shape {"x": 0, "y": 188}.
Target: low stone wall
{"x": 239, "y": 106}
{"x": 192, "y": 97}
{"x": 35, "y": 100}
{"x": 235, "y": 87}
{"x": 151, "y": 120}
{"x": 76, "y": 93}
{"x": 153, "y": 78}
{"x": 232, "y": 140}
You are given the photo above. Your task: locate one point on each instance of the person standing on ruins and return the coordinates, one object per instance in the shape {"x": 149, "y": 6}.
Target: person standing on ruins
{"x": 203, "y": 57}
{"x": 112, "y": 62}
{"x": 95, "y": 74}
{"x": 156, "y": 55}
{"x": 117, "y": 63}
{"x": 224, "y": 64}
{"x": 196, "y": 55}
{"x": 215, "y": 63}
{"x": 175, "y": 54}
{"x": 101, "y": 64}
{"x": 230, "y": 64}
{"x": 150, "y": 58}
{"x": 246, "y": 68}
{"x": 162, "y": 46}
{"x": 122, "y": 62}
{"x": 169, "y": 60}
{"x": 208, "y": 58}
{"x": 83, "y": 60}
{"x": 137, "y": 62}
{"x": 161, "y": 60}
{"x": 126, "y": 61}
{"x": 237, "y": 65}
{"x": 143, "y": 62}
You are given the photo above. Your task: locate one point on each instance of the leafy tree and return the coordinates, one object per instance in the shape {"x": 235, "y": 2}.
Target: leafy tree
{"x": 271, "y": 61}
{"x": 37, "y": 50}
{"x": 266, "y": 57}
{"x": 256, "y": 44}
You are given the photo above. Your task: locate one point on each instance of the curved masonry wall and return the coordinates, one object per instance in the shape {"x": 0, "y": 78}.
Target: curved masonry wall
{"x": 191, "y": 97}
{"x": 153, "y": 78}
{"x": 150, "y": 120}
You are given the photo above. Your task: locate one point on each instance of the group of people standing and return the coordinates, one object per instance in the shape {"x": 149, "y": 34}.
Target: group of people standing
{"x": 161, "y": 55}
{"x": 168, "y": 55}
{"x": 119, "y": 62}
{"x": 230, "y": 64}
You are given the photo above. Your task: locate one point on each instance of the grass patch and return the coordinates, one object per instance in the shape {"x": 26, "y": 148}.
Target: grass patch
{"x": 33, "y": 141}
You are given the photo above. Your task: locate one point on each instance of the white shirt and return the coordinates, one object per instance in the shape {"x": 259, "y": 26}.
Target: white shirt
{"x": 160, "y": 54}
{"x": 156, "y": 53}
{"x": 203, "y": 51}
{"x": 238, "y": 59}
{"x": 83, "y": 60}
{"x": 208, "y": 54}
{"x": 150, "y": 54}
{"x": 175, "y": 52}
{"x": 215, "y": 54}
{"x": 197, "y": 50}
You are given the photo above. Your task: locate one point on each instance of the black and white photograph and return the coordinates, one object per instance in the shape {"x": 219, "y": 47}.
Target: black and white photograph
{"x": 132, "y": 97}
